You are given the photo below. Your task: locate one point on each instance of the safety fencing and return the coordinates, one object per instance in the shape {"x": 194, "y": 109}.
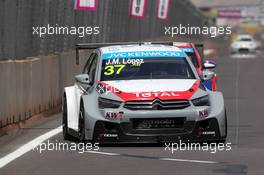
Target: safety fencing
{"x": 18, "y": 17}
{"x": 30, "y": 83}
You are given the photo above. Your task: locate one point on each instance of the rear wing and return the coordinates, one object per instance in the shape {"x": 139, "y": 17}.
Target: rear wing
{"x": 92, "y": 46}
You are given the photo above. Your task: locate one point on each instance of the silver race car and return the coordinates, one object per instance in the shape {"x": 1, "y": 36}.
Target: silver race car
{"x": 141, "y": 93}
{"x": 244, "y": 44}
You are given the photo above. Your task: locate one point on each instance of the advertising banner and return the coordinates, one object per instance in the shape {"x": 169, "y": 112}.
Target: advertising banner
{"x": 163, "y": 9}
{"x": 138, "y": 8}
{"x": 229, "y": 13}
{"x": 86, "y": 4}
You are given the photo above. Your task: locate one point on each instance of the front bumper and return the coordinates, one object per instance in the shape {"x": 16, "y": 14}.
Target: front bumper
{"x": 199, "y": 131}
{"x": 243, "y": 50}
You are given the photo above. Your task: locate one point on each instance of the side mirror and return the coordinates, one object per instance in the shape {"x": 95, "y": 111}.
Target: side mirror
{"x": 208, "y": 64}
{"x": 207, "y": 75}
{"x": 83, "y": 79}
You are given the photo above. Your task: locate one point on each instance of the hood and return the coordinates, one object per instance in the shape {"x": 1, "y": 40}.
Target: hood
{"x": 164, "y": 89}
{"x": 244, "y": 43}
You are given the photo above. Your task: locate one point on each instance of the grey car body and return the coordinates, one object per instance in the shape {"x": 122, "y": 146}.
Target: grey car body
{"x": 148, "y": 109}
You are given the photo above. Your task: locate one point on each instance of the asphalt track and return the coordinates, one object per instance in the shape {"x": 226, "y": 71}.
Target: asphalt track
{"x": 240, "y": 78}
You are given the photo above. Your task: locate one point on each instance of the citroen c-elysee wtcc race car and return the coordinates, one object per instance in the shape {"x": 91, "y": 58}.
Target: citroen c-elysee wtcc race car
{"x": 139, "y": 93}
{"x": 192, "y": 52}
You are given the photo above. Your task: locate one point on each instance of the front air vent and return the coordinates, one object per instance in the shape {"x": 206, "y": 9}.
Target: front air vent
{"x": 157, "y": 104}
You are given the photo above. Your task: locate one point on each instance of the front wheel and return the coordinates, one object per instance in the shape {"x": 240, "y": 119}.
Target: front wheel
{"x": 65, "y": 130}
{"x": 81, "y": 130}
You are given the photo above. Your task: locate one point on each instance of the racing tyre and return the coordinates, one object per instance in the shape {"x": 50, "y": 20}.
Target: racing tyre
{"x": 65, "y": 130}
{"x": 81, "y": 130}
{"x": 223, "y": 139}
{"x": 225, "y": 126}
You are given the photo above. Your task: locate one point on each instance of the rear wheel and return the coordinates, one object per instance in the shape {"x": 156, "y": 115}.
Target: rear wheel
{"x": 225, "y": 125}
{"x": 65, "y": 130}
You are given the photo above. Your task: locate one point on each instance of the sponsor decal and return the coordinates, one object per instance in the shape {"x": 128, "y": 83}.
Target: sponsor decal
{"x": 158, "y": 123}
{"x": 156, "y": 94}
{"x": 110, "y": 135}
{"x": 112, "y": 49}
{"x": 143, "y": 54}
{"x": 208, "y": 84}
{"x": 202, "y": 131}
{"x": 138, "y": 8}
{"x": 100, "y": 88}
{"x": 203, "y": 113}
{"x": 114, "y": 115}
{"x": 187, "y": 50}
{"x": 164, "y": 95}
{"x": 229, "y": 13}
{"x": 163, "y": 8}
{"x": 208, "y": 133}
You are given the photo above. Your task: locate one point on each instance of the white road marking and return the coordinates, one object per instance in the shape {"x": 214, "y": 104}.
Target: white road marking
{"x": 168, "y": 159}
{"x": 28, "y": 146}
{"x": 189, "y": 160}
{"x": 104, "y": 153}
{"x": 35, "y": 142}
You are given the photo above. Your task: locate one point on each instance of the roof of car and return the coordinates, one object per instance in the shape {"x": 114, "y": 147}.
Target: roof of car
{"x": 182, "y": 44}
{"x": 245, "y": 36}
{"x": 136, "y": 47}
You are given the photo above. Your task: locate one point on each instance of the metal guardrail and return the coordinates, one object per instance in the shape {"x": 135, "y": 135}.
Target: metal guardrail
{"x": 18, "y": 17}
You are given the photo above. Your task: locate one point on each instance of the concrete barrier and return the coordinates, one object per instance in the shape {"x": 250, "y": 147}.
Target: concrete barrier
{"x": 37, "y": 85}
{"x": 34, "y": 85}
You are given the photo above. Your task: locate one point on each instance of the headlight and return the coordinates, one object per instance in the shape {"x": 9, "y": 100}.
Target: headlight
{"x": 252, "y": 45}
{"x": 107, "y": 103}
{"x": 234, "y": 45}
{"x": 202, "y": 101}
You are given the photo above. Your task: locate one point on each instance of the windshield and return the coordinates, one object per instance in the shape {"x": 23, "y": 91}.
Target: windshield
{"x": 146, "y": 68}
{"x": 245, "y": 39}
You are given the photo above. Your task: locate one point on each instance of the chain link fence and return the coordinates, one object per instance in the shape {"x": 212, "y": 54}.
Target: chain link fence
{"x": 18, "y": 17}
{"x": 34, "y": 70}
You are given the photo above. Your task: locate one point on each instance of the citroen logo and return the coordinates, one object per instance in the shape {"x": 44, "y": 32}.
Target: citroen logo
{"x": 156, "y": 103}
